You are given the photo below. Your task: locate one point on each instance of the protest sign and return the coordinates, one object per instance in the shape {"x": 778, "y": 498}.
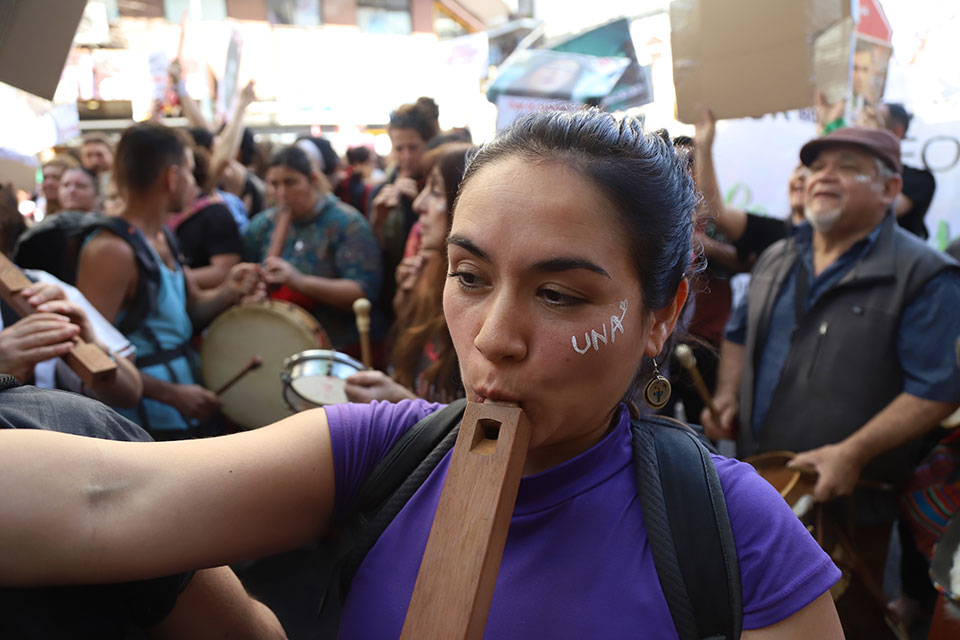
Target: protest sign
{"x": 509, "y": 108}
{"x": 613, "y": 40}
{"x": 748, "y": 58}
{"x": 536, "y": 73}
{"x": 25, "y": 24}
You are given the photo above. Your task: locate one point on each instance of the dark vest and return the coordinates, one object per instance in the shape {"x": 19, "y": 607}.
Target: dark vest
{"x": 842, "y": 367}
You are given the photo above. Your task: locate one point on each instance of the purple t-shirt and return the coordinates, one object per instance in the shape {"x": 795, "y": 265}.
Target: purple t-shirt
{"x": 577, "y": 563}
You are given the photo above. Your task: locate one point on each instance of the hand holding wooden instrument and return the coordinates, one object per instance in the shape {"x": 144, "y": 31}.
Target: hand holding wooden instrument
{"x": 87, "y": 360}
{"x": 454, "y": 588}
{"x": 689, "y": 362}
{"x": 361, "y": 308}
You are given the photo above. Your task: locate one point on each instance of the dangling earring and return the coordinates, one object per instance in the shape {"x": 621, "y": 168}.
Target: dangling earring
{"x": 657, "y": 392}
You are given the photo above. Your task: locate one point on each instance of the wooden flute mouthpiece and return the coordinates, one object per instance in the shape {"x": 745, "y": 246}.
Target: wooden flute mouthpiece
{"x": 454, "y": 588}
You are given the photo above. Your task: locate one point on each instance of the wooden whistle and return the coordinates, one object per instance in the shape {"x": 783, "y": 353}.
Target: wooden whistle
{"x": 281, "y": 229}
{"x": 454, "y": 587}
{"x": 87, "y": 360}
{"x": 361, "y": 308}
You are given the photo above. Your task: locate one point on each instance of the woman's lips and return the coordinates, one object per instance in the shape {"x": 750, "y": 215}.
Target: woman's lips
{"x": 497, "y": 397}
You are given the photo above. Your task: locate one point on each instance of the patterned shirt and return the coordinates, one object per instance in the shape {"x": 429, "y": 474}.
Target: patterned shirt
{"x": 333, "y": 242}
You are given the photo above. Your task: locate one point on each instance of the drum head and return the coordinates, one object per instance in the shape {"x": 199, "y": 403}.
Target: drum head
{"x": 272, "y": 330}
{"x": 945, "y": 567}
{"x": 316, "y": 378}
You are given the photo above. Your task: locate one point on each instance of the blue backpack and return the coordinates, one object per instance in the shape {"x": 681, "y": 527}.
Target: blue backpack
{"x": 55, "y": 243}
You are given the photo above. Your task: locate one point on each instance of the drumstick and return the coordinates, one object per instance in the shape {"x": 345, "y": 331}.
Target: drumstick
{"x": 253, "y": 365}
{"x": 454, "y": 588}
{"x": 86, "y": 359}
{"x": 689, "y": 362}
{"x": 361, "y": 307}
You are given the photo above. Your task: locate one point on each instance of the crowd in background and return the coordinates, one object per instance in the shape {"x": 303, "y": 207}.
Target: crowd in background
{"x": 162, "y": 230}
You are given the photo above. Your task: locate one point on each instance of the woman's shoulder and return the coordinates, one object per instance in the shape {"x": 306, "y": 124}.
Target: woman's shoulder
{"x": 386, "y": 417}
{"x": 362, "y": 434}
{"x": 782, "y": 567}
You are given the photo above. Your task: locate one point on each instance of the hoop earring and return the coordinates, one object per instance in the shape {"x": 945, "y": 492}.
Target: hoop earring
{"x": 656, "y": 393}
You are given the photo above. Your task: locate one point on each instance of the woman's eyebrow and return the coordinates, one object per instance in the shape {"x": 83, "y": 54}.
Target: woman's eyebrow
{"x": 468, "y": 244}
{"x": 566, "y": 263}
{"x": 569, "y": 263}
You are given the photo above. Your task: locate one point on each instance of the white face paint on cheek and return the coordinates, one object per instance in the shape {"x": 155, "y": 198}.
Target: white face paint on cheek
{"x": 862, "y": 177}
{"x": 593, "y": 338}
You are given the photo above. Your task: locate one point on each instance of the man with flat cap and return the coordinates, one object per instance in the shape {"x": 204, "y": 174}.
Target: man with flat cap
{"x": 842, "y": 351}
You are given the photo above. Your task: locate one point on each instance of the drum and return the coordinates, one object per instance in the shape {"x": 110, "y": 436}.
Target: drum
{"x": 945, "y": 572}
{"x": 793, "y": 485}
{"x": 796, "y": 488}
{"x": 273, "y": 330}
{"x": 316, "y": 377}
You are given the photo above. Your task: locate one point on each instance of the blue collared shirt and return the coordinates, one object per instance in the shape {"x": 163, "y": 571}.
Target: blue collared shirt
{"x": 929, "y": 326}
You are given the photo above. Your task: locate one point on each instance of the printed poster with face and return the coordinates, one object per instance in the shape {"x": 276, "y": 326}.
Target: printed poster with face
{"x": 614, "y": 40}
{"x": 553, "y": 75}
{"x": 851, "y": 61}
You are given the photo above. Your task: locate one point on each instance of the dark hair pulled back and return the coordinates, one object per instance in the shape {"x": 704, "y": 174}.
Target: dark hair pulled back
{"x": 292, "y": 157}
{"x": 640, "y": 174}
{"x": 421, "y": 116}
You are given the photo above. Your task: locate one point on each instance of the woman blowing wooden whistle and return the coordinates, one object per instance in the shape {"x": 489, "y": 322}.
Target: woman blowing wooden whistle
{"x": 570, "y": 242}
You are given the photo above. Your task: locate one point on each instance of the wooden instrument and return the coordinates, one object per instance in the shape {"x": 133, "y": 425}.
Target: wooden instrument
{"x": 454, "y": 588}
{"x": 281, "y": 229}
{"x": 795, "y": 485}
{"x": 689, "y": 362}
{"x": 87, "y": 360}
{"x": 361, "y": 308}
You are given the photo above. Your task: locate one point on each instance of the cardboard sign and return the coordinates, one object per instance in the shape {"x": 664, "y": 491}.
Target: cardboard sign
{"x": 19, "y": 170}
{"x": 35, "y": 39}
{"x": 852, "y": 57}
{"x": 747, "y": 58}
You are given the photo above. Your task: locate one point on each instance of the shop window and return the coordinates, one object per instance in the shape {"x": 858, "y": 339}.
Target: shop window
{"x": 303, "y": 13}
{"x": 209, "y": 10}
{"x": 384, "y": 16}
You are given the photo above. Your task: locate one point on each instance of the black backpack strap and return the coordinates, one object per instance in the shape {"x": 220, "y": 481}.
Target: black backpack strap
{"x": 406, "y": 455}
{"x": 148, "y": 272}
{"x": 7, "y": 381}
{"x": 689, "y": 530}
{"x": 387, "y": 489}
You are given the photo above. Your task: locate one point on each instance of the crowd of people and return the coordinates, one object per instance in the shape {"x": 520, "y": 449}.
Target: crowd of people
{"x": 482, "y": 264}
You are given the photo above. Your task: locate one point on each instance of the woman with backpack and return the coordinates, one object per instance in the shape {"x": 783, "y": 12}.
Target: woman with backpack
{"x": 568, "y": 261}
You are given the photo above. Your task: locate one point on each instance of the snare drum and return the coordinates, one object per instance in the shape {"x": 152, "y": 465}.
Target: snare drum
{"x": 316, "y": 377}
{"x": 273, "y": 330}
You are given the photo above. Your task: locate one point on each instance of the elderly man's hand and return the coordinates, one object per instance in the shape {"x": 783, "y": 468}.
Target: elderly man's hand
{"x": 728, "y": 407}
{"x": 837, "y": 467}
